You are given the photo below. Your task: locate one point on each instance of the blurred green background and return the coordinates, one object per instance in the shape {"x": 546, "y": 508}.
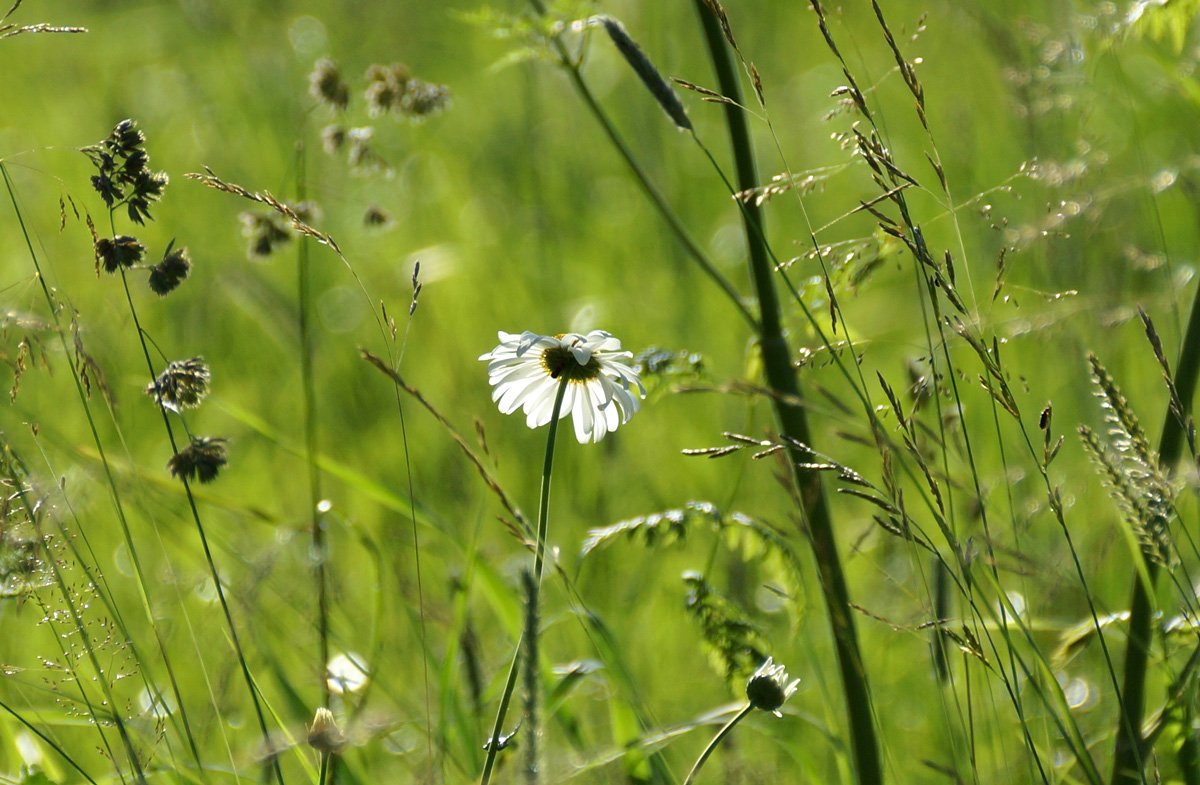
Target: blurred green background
{"x": 1067, "y": 132}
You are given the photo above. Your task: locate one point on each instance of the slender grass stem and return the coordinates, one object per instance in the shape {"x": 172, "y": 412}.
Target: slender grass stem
{"x": 781, "y": 377}
{"x": 533, "y": 610}
{"x": 493, "y": 742}
{"x": 212, "y": 565}
{"x": 712, "y": 745}
{"x": 652, "y": 192}
{"x": 320, "y": 551}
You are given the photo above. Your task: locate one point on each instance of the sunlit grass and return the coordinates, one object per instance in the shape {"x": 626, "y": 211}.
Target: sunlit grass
{"x": 1064, "y": 136}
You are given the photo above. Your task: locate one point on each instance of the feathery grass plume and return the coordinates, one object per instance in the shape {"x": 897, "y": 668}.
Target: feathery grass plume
{"x": 173, "y": 270}
{"x": 295, "y": 214}
{"x": 8, "y": 29}
{"x": 659, "y": 87}
{"x": 202, "y": 459}
{"x": 120, "y": 251}
{"x": 182, "y": 385}
{"x": 23, "y": 549}
{"x": 1179, "y": 410}
{"x": 123, "y": 171}
{"x": 734, "y": 643}
{"x": 751, "y": 538}
{"x": 1131, "y": 470}
{"x": 325, "y": 84}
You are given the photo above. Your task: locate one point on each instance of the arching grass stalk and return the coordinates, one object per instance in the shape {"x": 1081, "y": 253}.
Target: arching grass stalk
{"x": 533, "y": 610}
{"x": 781, "y": 377}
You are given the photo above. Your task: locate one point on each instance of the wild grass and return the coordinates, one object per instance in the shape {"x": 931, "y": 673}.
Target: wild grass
{"x": 875, "y": 264}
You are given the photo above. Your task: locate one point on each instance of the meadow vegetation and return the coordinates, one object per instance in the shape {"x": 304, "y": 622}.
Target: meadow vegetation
{"x": 908, "y": 288}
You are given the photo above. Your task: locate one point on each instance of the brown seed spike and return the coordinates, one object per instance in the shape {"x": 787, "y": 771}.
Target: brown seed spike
{"x": 641, "y": 65}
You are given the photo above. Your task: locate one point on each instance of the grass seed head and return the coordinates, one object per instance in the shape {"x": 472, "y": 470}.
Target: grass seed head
{"x": 166, "y": 276}
{"x": 183, "y": 385}
{"x": 325, "y": 84}
{"x": 202, "y": 459}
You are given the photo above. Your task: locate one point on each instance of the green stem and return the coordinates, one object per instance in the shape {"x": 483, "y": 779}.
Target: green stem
{"x": 212, "y": 565}
{"x": 317, "y": 524}
{"x": 652, "y": 193}
{"x": 712, "y": 745}
{"x": 535, "y": 594}
{"x": 544, "y": 502}
{"x": 324, "y": 775}
{"x": 781, "y": 377}
{"x": 493, "y": 742}
{"x": 1128, "y": 758}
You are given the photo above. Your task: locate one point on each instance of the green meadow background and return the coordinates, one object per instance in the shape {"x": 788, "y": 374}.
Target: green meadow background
{"x": 1067, "y": 133}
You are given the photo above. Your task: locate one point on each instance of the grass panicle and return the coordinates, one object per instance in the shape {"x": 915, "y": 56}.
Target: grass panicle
{"x": 658, "y": 86}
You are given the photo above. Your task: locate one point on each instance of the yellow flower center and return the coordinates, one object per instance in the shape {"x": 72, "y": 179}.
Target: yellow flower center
{"x": 559, "y": 362}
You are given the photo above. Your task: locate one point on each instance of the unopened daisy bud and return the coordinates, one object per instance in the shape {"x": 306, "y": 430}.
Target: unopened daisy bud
{"x": 170, "y": 272}
{"x": 121, "y": 251}
{"x": 324, "y": 735}
{"x": 183, "y": 385}
{"x": 768, "y": 688}
{"x": 203, "y": 459}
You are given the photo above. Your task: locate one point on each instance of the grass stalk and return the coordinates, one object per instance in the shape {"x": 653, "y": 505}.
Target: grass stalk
{"x": 1128, "y": 753}
{"x": 212, "y": 565}
{"x": 532, "y": 721}
{"x": 308, "y": 385}
{"x": 651, "y": 191}
{"x": 781, "y": 378}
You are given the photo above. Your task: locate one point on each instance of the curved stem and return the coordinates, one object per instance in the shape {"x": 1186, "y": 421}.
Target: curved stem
{"x": 712, "y": 745}
{"x": 534, "y": 596}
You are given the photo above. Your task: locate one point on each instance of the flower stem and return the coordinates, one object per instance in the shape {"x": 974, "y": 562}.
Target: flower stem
{"x": 544, "y": 502}
{"x": 712, "y": 745}
{"x": 535, "y": 595}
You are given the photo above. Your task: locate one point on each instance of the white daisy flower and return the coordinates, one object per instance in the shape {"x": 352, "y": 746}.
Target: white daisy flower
{"x": 768, "y": 688}
{"x": 527, "y": 369}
